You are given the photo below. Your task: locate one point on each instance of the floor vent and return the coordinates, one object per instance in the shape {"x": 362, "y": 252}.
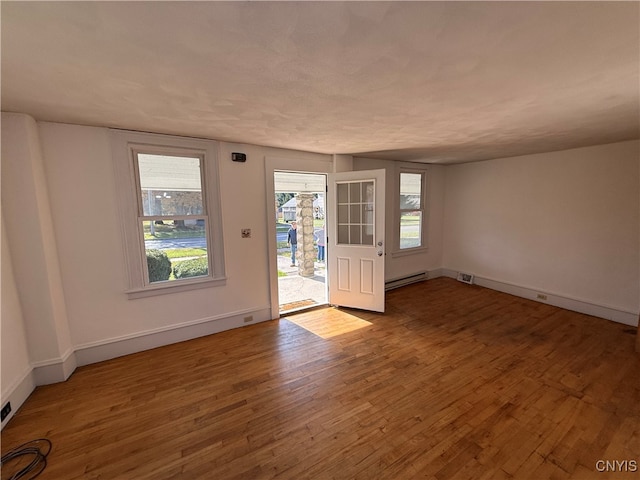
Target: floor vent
{"x": 401, "y": 282}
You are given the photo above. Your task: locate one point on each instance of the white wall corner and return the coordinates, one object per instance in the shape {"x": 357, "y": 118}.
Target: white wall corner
{"x": 447, "y": 272}
{"x": 18, "y": 392}
{"x": 435, "y": 273}
{"x": 342, "y": 163}
{"x": 27, "y": 215}
{"x": 56, "y": 370}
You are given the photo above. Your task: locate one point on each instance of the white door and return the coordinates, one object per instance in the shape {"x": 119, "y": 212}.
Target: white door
{"x": 355, "y": 239}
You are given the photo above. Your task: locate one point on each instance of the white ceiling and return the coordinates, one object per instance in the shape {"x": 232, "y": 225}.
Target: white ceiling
{"x": 425, "y": 81}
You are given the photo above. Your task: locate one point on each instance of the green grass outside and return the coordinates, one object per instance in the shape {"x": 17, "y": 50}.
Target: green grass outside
{"x": 410, "y": 219}
{"x": 410, "y": 235}
{"x": 185, "y": 252}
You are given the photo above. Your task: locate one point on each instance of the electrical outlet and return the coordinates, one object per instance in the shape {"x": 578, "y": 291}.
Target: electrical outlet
{"x": 245, "y": 233}
{"x": 541, "y": 296}
{"x": 248, "y": 319}
{"x": 6, "y": 410}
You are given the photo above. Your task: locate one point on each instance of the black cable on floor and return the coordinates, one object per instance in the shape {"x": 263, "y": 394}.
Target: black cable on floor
{"x": 34, "y": 452}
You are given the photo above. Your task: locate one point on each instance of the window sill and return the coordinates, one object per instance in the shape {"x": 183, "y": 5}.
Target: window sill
{"x": 409, "y": 251}
{"x": 173, "y": 287}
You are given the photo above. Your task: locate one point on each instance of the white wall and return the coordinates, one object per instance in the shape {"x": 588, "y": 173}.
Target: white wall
{"x": 26, "y": 211}
{"x": 430, "y": 260}
{"x": 103, "y": 321}
{"x": 17, "y": 380}
{"x": 565, "y": 223}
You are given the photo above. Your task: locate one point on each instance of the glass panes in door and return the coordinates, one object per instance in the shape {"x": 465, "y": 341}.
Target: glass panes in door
{"x": 355, "y": 212}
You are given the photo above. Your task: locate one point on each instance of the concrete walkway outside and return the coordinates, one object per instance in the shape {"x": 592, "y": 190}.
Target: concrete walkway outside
{"x": 296, "y": 292}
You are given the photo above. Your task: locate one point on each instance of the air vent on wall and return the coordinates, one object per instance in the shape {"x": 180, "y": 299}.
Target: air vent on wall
{"x": 465, "y": 278}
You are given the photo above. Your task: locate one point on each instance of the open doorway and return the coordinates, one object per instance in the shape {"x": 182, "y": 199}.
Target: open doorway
{"x": 300, "y": 239}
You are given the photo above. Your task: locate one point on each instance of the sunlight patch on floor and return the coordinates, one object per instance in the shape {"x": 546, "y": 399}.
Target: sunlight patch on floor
{"x": 331, "y": 323}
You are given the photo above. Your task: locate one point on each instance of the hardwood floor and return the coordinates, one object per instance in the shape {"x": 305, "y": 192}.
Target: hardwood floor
{"x": 453, "y": 382}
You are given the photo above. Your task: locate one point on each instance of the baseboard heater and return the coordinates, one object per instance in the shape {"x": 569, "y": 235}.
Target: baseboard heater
{"x": 401, "y": 282}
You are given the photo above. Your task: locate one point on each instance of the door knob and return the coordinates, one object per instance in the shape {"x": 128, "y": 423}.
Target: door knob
{"x": 379, "y": 244}
{"x": 379, "y": 253}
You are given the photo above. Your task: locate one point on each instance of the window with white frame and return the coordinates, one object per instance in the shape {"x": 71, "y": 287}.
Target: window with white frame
{"x": 411, "y": 229}
{"x": 168, "y": 199}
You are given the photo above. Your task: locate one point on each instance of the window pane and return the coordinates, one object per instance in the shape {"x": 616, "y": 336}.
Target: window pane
{"x": 367, "y": 213}
{"x": 343, "y": 234}
{"x": 354, "y": 235}
{"x": 408, "y": 202}
{"x": 410, "y": 190}
{"x": 343, "y": 213}
{"x": 354, "y": 216}
{"x": 367, "y": 234}
{"x": 343, "y": 193}
{"x": 354, "y": 190}
{"x": 410, "y": 229}
{"x": 175, "y": 249}
{"x": 367, "y": 191}
{"x": 170, "y": 185}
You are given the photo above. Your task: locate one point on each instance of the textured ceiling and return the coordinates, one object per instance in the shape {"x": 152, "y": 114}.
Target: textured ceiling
{"x": 426, "y": 81}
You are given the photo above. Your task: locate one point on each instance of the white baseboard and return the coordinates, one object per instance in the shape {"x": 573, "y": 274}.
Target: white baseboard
{"x": 435, "y": 273}
{"x": 116, "y": 347}
{"x": 18, "y": 392}
{"x": 54, "y": 370}
{"x": 576, "y": 305}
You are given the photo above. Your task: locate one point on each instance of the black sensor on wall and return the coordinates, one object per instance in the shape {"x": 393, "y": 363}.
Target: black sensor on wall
{"x": 6, "y": 410}
{"x": 238, "y": 157}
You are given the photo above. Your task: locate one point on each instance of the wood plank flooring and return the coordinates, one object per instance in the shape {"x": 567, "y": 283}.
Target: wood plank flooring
{"x": 453, "y": 382}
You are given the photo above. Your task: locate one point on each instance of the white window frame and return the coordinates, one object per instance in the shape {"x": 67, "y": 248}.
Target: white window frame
{"x": 126, "y": 146}
{"x": 397, "y": 251}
